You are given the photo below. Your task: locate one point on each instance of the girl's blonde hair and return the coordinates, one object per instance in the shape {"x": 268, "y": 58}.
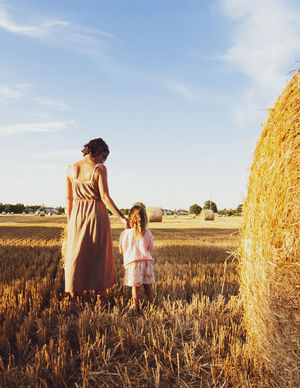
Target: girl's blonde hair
{"x": 138, "y": 220}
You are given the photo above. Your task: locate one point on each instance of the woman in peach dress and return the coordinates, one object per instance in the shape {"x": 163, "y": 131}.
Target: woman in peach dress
{"x": 89, "y": 261}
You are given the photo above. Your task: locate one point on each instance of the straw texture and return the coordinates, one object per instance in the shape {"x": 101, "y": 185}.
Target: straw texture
{"x": 269, "y": 254}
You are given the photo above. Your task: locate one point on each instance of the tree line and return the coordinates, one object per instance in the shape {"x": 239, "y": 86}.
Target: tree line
{"x": 196, "y": 209}
{"x": 19, "y": 208}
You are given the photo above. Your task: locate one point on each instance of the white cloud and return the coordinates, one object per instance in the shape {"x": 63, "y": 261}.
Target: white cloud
{"x": 266, "y": 45}
{"x": 59, "y": 31}
{"x": 94, "y": 31}
{"x": 12, "y": 92}
{"x": 181, "y": 90}
{"x": 190, "y": 93}
{"x": 10, "y": 166}
{"x": 54, "y": 126}
{"x": 51, "y": 103}
{"x": 33, "y": 30}
{"x": 57, "y": 154}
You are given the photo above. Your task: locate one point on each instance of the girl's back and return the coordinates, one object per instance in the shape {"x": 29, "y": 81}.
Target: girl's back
{"x": 135, "y": 248}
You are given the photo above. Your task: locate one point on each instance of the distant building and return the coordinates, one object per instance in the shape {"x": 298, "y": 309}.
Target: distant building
{"x": 51, "y": 210}
{"x": 181, "y": 212}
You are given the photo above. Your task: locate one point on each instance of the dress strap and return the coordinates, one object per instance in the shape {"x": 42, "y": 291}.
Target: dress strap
{"x": 98, "y": 164}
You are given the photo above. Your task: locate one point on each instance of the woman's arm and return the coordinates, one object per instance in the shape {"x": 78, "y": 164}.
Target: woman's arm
{"x": 104, "y": 192}
{"x": 69, "y": 194}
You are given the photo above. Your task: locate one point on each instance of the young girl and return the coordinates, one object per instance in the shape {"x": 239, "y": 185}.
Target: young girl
{"x": 136, "y": 243}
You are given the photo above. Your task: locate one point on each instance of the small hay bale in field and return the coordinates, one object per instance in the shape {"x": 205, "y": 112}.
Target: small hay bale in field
{"x": 3, "y": 213}
{"x": 42, "y": 214}
{"x": 269, "y": 253}
{"x": 208, "y": 214}
{"x": 154, "y": 214}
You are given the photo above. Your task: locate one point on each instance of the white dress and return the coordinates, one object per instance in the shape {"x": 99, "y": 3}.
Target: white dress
{"x": 138, "y": 261}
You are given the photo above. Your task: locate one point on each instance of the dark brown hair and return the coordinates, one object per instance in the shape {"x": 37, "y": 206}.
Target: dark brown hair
{"x": 138, "y": 220}
{"x": 95, "y": 147}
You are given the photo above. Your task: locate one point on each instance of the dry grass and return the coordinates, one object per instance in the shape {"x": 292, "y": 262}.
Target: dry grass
{"x": 270, "y": 252}
{"x": 191, "y": 336}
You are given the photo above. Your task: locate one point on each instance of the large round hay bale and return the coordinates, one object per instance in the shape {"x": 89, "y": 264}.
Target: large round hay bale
{"x": 208, "y": 214}
{"x": 154, "y": 214}
{"x": 270, "y": 255}
{"x": 42, "y": 214}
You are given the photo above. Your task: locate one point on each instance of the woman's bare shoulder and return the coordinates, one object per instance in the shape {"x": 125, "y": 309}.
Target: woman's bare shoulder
{"x": 78, "y": 163}
{"x": 101, "y": 167}
{"x": 69, "y": 170}
{"x": 101, "y": 170}
{"x": 72, "y": 167}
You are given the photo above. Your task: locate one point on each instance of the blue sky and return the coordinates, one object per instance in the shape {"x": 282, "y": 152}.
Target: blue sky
{"x": 177, "y": 88}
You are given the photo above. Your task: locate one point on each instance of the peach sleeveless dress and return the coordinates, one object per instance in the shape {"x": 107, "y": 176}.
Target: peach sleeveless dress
{"x": 89, "y": 263}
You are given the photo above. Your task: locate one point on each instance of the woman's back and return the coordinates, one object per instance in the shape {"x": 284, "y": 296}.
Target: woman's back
{"x": 84, "y": 182}
{"x": 83, "y": 170}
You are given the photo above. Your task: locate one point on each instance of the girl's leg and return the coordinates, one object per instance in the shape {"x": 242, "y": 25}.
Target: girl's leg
{"x": 148, "y": 292}
{"x": 136, "y": 295}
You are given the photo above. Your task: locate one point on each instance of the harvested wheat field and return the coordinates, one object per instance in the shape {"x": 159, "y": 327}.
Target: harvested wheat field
{"x": 191, "y": 336}
{"x": 270, "y": 254}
